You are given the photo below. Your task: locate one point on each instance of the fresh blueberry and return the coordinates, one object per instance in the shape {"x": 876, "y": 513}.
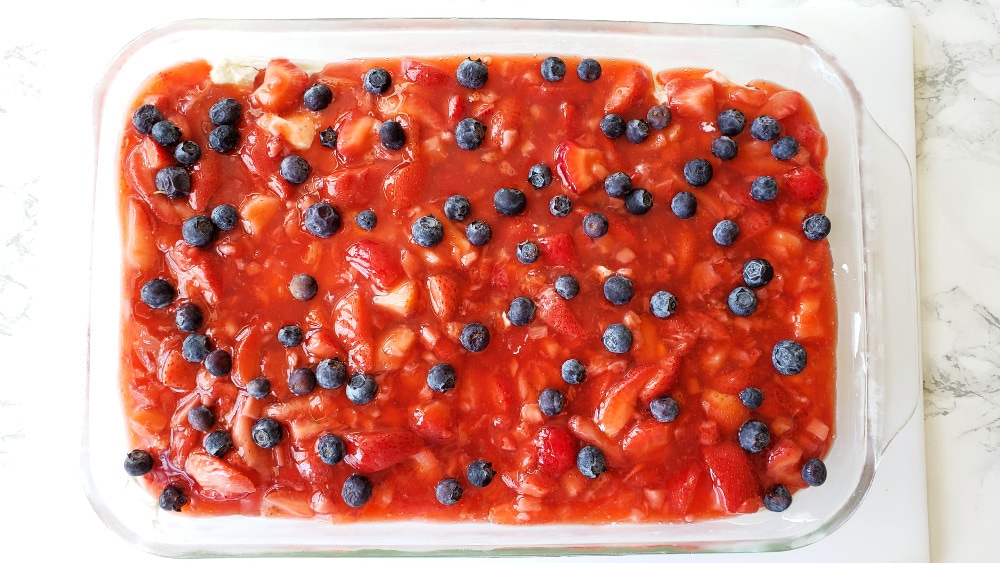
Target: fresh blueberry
{"x": 725, "y": 232}
{"x": 567, "y": 286}
{"x": 475, "y": 337}
{"x": 480, "y": 473}
{"x": 617, "y": 339}
{"x": 165, "y": 134}
{"x": 226, "y": 111}
{"x": 361, "y": 389}
{"x": 777, "y": 499}
{"x": 195, "y": 348}
{"x": 724, "y": 148}
{"x": 469, "y": 134}
{"x": 509, "y": 201}
{"x": 225, "y": 217}
{"x": 201, "y": 418}
{"x": 788, "y": 357}
{"x": 377, "y": 80}
{"x": 684, "y": 205}
{"x": 757, "y": 272}
{"x": 560, "y": 206}
{"x": 331, "y": 449}
{"x": 472, "y": 73}
{"x": 303, "y": 287}
{"x": 636, "y": 131}
{"x": 731, "y": 122}
{"x": 294, "y": 169}
{"x": 618, "y": 184}
{"x": 742, "y": 301}
{"x": 218, "y": 443}
{"x": 174, "y": 182}
{"x": 816, "y": 226}
{"x": 751, "y": 397}
{"x": 457, "y": 207}
{"x": 662, "y": 304}
{"x": 664, "y": 409}
{"x": 331, "y": 373}
{"x": 357, "y": 490}
{"x": 441, "y": 377}
{"x": 391, "y": 135}
{"x": 612, "y": 125}
{"x": 764, "y": 189}
{"x": 317, "y": 97}
{"x": 187, "y": 152}
{"x": 698, "y": 172}
{"x": 290, "y": 336}
{"x": 172, "y": 498}
{"x": 157, "y": 293}
{"x": 591, "y": 462}
{"x": 449, "y": 491}
{"x": 618, "y": 290}
{"x": 427, "y": 231}
{"x": 267, "y": 432}
{"x": 573, "y": 371}
{"x": 658, "y": 117}
{"x": 551, "y": 402}
{"x": 259, "y": 387}
{"x": 478, "y": 233}
{"x": 188, "y": 317}
{"x": 785, "y": 148}
{"x": 224, "y": 139}
{"x": 527, "y": 252}
{"x": 765, "y": 128}
{"x": 198, "y": 230}
{"x": 588, "y": 70}
{"x": 639, "y": 201}
{"x": 366, "y": 219}
{"x": 521, "y": 311}
{"x": 138, "y": 462}
{"x": 302, "y": 381}
{"x": 219, "y": 363}
{"x": 553, "y": 69}
{"x": 595, "y": 225}
{"x": 754, "y": 436}
{"x": 144, "y": 117}
{"x": 322, "y": 220}
{"x": 540, "y": 175}
{"x": 814, "y": 472}
{"x": 328, "y": 138}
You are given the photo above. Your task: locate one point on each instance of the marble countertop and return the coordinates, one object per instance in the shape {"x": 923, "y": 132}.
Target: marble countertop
{"x": 44, "y": 221}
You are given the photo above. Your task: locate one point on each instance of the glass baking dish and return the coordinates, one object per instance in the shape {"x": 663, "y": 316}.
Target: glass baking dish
{"x": 872, "y": 403}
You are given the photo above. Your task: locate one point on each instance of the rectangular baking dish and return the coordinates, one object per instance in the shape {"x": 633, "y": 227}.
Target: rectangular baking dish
{"x": 872, "y": 404}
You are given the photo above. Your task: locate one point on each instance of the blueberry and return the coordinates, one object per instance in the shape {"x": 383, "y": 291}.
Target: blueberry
{"x": 331, "y": 373}
{"x": 617, "y": 339}
{"x": 751, "y": 397}
{"x": 174, "y": 182}
{"x": 618, "y": 290}
{"x": 328, "y": 138}
{"x": 218, "y": 443}
{"x": 788, "y": 357}
{"x": 814, "y": 472}
{"x": 754, "y": 436}
{"x": 816, "y": 226}
{"x": 664, "y": 409}
{"x": 195, "y": 348}
{"x": 777, "y": 499}
{"x": 377, "y": 80}
{"x": 567, "y": 286}
{"x": 266, "y": 432}
{"x": 165, "y": 134}
{"x": 540, "y": 175}
{"x": 636, "y": 131}
{"x": 560, "y": 206}
{"x": 259, "y": 387}
{"x": 290, "y": 336}
{"x": 361, "y": 389}
{"x": 725, "y": 232}
{"x": 478, "y": 233}
{"x": 225, "y": 217}
{"x": 201, "y": 418}
{"x": 366, "y": 220}
{"x": 441, "y": 377}
{"x": 317, "y": 97}
{"x": 765, "y": 128}
{"x": 469, "y": 134}
{"x": 172, "y": 498}
{"x": 457, "y": 207}
{"x": 198, "y": 230}
{"x": 472, "y": 73}
{"x": 219, "y": 363}
{"x": 785, "y": 148}
{"x": 322, "y": 220}
{"x": 591, "y": 462}
{"x": 226, "y": 111}
{"x": 764, "y": 189}
{"x": 757, "y": 272}
{"x": 303, "y": 287}
{"x": 662, "y": 304}
{"x": 573, "y": 372}
{"x": 157, "y": 293}
{"x": 302, "y": 381}
{"x": 331, "y": 449}
{"x": 391, "y": 135}
{"x": 724, "y": 148}
{"x": 475, "y": 337}
{"x": 521, "y": 311}
{"x": 553, "y": 69}
{"x": 658, "y": 117}
{"x": 509, "y": 201}
{"x": 187, "y": 152}
{"x": 527, "y": 252}
{"x": 551, "y": 402}
{"x": 639, "y": 201}
{"x": 684, "y": 205}
{"x": 357, "y": 490}
{"x": 480, "y": 473}
{"x": 731, "y": 122}
{"x": 698, "y": 172}
{"x": 613, "y": 126}
{"x": 144, "y": 117}
{"x": 595, "y": 225}
{"x": 618, "y": 184}
{"x": 224, "y": 139}
{"x": 138, "y": 462}
{"x": 427, "y": 231}
{"x": 294, "y": 169}
{"x": 742, "y": 301}
{"x": 588, "y": 70}
{"x": 449, "y": 491}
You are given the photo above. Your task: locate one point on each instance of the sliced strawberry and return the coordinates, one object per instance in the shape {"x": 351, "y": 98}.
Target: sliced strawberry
{"x": 628, "y": 91}
{"x": 140, "y": 246}
{"x": 396, "y": 345}
{"x": 579, "y": 168}
{"x": 782, "y": 104}
{"x": 661, "y": 380}
{"x": 726, "y": 410}
{"x": 356, "y": 136}
{"x": 195, "y": 271}
{"x": 355, "y": 336}
{"x": 556, "y": 449}
{"x": 423, "y": 73}
{"x": 456, "y": 108}
{"x": 434, "y": 421}
{"x": 288, "y": 502}
{"x": 282, "y": 87}
{"x": 733, "y": 476}
{"x": 401, "y": 300}
{"x": 404, "y": 185}
{"x": 443, "y": 293}
{"x": 693, "y": 99}
{"x": 753, "y": 222}
{"x": 349, "y": 188}
{"x": 783, "y": 459}
{"x": 748, "y": 96}
{"x": 619, "y": 401}
{"x": 805, "y": 183}
{"x": 176, "y": 372}
{"x": 555, "y": 312}
{"x": 681, "y": 487}
{"x": 646, "y": 437}
{"x": 369, "y": 452}
{"x": 558, "y": 250}
{"x": 217, "y": 479}
{"x": 322, "y": 343}
{"x": 377, "y": 262}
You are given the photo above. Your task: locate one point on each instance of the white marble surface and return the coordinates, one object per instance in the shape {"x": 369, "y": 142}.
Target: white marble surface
{"x": 47, "y": 55}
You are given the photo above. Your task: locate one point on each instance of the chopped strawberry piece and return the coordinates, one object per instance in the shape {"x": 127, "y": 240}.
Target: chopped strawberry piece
{"x": 619, "y": 401}
{"x": 733, "y": 476}
{"x": 693, "y": 98}
{"x": 579, "y": 168}
{"x": 557, "y": 249}
{"x": 218, "y": 479}
{"x": 423, "y": 73}
{"x": 681, "y": 487}
{"x": 629, "y": 91}
{"x": 282, "y": 87}
{"x": 377, "y": 262}
{"x": 403, "y": 186}
{"x": 555, "y": 312}
{"x": 356, "y": 136}
{"x": 434, "y": 421}
{"x": 805, "y": 183}
{"x": 347, "y": 323}
{"x": 782, "y": 104}
{"x": 783, "y": 459}
{"x": 726, "y": 410}
{"x": 369, "y": 452}
{"x": 646, "y": 437}
{"x": 196, "y": 272}
{"x": 349, "y": 188}
{"x": 556, "y": 449}
{"x": 443, "y": 293}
